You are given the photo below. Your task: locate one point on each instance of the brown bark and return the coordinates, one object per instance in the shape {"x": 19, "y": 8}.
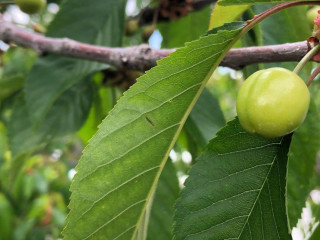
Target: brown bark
{"x": 142, "y": 57}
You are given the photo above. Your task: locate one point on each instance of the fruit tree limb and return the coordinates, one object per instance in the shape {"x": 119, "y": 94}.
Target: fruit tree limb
{"x": 142, "y": 57}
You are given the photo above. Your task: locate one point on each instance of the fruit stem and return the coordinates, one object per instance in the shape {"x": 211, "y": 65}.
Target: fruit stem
{"x": 306, "y": 58}
{"x": 313, "y": 75}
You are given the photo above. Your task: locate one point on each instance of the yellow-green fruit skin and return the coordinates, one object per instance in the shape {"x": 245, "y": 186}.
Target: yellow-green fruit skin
{"x": 31, "y": 6}
{"x": 272, "y": 102}
{"x": 131, "y": 27}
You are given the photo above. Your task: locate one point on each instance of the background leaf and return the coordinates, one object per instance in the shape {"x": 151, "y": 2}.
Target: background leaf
{"x": 236, "y": 189}
{"x": 102, "y": 104}
{"x": 316, "y": 213}
{"x": 190, "y": 28}
{"x": 223, "y": 14}
{"x": 205, "y": 119}
{"x": 17, "y": 63}
{"x": 297, "y": 28}
{"x": 69, "y": 112}
{"x": 271, "y": 31}
{"x": 316, "y": 234}
{"x": 303, "y": 151}
{"x": 123, "y": 172}
{"x": 289, "y": 25}
{"x": 6, "y": 218}
{"x": 102, "y": 21}
{"x": 161, "y": 217}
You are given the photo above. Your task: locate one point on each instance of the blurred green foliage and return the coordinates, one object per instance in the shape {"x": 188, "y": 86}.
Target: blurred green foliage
{"x": 34, "y": 203}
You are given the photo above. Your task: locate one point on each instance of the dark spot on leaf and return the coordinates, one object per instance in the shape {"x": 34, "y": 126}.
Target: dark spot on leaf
{"x": 149, "y": 121}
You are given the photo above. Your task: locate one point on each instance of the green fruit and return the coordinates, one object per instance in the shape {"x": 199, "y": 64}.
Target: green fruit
{"x": 312, "y": 14}
{"x": 147, "y": 32}
{"x": 31, "y": 6}
{"x": 273, "y": 102}
{"x": 131, "y": 27}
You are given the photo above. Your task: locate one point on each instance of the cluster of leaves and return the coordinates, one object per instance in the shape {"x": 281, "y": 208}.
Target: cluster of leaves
{"x": 240, "y": 186}
{"x": 34, "y": 194}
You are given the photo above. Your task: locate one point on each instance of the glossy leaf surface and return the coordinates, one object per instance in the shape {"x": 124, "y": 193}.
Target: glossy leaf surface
{"x": 116, "y": 175}
{"x": 236, "y": 189}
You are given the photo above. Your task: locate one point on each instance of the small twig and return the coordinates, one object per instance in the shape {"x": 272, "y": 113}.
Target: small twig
{"x": 313, "y": 75}
{"x": 155, "y": 16}
{"x": 306, "y": 59}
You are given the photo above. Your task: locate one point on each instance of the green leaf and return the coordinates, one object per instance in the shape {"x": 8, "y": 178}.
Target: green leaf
{"x": 316, "y": 234}
{"x": 161, "y": 218}
{"x": 97, "y": 22}
{"x": 17, "y": 62}
{"x": 273, "y": 31}
{"x": 236, "y": 189}
{"x": 23, "y": 230}
{"x": 223, "y": 14}
{"x": 24, "y": 137}
{"x": 6, "y": 218}
{"x": 3, "y": 144}
{"x": 297, "y": 27}
{"x": 121, "y": 165}
{"x": 102, "y": 104}
{"x": 303, "y": 151}
{"x": 189, "y": 28}
{"x": 205, "y": 119}
{"x": 315, "y": 208}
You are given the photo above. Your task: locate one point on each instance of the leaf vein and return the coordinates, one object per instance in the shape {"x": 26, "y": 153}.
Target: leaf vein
{"x": 128, "y": 151}
{"x": 244, "y": 170}
{"x": 125, "y": 231}
{"x": 257, "y": 198}
{"x": 222, "y": 200}
{"x": 115, "y": 217}
{"x": 275, "y": 223}
{"x": 142, "y": 114}
{"x": 210, "y": 45}
{"x": 184, "y": 69}
{"x": 249, "y": 149}
{"x": 219, "y": 224}
{"x": 116, "y": 188}
{"x": 250, "y": 230}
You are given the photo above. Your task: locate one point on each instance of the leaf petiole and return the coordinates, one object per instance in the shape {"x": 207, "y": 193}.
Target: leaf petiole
{"x": 306, "y": 58}
{"x": 313, "y": 75}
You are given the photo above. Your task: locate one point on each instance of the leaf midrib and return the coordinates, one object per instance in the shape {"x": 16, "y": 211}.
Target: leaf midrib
{"x": 184, "y": 118}
{"x": 259, "y": 189}
{"x": 258, "y": 196}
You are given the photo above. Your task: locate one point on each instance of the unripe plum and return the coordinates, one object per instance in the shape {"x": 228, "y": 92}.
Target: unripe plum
{"x": 31, "y": 6}
{"x": 273, "y": 102}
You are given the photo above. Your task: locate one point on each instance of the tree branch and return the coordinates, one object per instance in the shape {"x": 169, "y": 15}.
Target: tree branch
{"x": 142, "y": 57}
